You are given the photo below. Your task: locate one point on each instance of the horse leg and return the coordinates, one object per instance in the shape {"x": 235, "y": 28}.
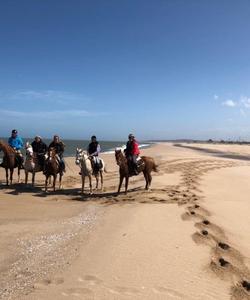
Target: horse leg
{"x": 33, "y": 178}
{"x": 46, "y": 184}
{"x": 120, "y": 184}
{"x": 101, "y": 174}
{"x": 146, "y": 179}
{"x": 54, "y": 182}
{"x": 60, "y": 181}
{"x": 97, "y": 180}
{"x": 90, "y": 185}
{"x": 126, "y": 184}
{"x": 26, "y": 176}
{"x": 7, "y": 176}
{"x": 83, "y": 182}
{"x": 11, "y": 175}
{"x": 149, "y": 180}
{"x": 18, "y": 174}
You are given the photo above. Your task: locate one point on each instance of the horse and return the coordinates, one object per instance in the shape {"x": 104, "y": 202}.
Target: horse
{"x": 147, "y": 166}
{"x": 31, "y": 164}
{"x": 10, "y": 161}
{"x": 85, "y": 163}
{"x": 52, "y": 168}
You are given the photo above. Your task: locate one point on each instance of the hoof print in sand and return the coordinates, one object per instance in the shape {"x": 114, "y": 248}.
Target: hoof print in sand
{"x": 204, "y": 232}
{"x": 223, "y": 263}
{"x": 206, "y": 222}
{"x": 223, "y": 246}
{"x": 246, "y": 285}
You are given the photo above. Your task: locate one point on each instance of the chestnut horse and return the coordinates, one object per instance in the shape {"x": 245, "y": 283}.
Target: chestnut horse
{"x": 52, "y": 168}
{"x": 10, "y": 161}
{"x": 146, "y": 167}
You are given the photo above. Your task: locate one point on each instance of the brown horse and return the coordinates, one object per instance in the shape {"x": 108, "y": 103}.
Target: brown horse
{"x": 10, "y": 161}
{"x": 146, "y": 167}
{"x": 52, "y": 168}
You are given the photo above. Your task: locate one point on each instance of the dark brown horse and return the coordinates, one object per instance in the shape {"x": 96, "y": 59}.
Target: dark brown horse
{"x": 52, "y": 168}
{"x": 146, "y": 167}
{"x": 10, "y": 161}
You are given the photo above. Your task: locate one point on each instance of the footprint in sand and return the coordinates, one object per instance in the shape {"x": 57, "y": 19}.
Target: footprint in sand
{"x": 169, "y": 292}
{"x": 45, "y": 282}
{"x": 92, "y": 280}
{"x": 77, "y": 292}
{"x": 124, "y": 290}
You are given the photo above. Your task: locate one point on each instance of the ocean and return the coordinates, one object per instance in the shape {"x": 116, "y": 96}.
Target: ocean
{"x": 71, "y": 145}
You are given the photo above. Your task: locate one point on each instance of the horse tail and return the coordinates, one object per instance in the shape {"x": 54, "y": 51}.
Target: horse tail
{"x": 155, "y": 167}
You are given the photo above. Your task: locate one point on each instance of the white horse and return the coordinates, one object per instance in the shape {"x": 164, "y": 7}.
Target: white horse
{"x": 84, "y": 161}
{"x": 31, "y": 164}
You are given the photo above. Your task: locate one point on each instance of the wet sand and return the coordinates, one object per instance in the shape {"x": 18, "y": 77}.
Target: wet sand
{"x": 186, "y": 239}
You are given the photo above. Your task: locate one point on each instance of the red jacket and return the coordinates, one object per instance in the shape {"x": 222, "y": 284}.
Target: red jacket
{"x": 135, "y": 149}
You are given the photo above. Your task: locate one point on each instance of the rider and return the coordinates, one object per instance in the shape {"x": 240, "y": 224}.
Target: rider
{"x": 16, "y": 143}
{"x": 40, "y": 148}
{"x": 132, "y": 152}
{"x": 59, "y": 147}
{"x": 93, "y": 150}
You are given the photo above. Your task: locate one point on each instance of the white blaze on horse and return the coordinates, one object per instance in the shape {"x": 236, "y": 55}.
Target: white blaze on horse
{"x": 31, "y": 164}
{"x": 85, "y": 163}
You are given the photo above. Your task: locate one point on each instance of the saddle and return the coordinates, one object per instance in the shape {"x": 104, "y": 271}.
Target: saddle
{"x": 96, "y": 163}
{"x": 135, "y": 169}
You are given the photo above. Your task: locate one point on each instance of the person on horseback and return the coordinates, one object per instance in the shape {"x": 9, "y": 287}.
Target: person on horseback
{"x": 16, "y": 143}
{"x": 59, "y": 146}
{"x": 93, "y": 150}
{"x": 40, "y": 148}
{"x": 132, "y": 152}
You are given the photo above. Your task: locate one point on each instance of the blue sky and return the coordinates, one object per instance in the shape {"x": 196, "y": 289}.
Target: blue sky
{"x": 160, "y": 69}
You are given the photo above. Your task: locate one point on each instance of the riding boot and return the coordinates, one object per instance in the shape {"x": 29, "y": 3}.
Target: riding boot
{"x": 135, "y": 170}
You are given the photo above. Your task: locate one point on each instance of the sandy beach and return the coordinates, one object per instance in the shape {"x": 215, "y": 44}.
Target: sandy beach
{"x": 187, "y": 238}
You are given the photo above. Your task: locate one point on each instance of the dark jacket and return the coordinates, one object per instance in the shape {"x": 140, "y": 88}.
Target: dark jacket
{"x": 94, "y": 148}
{"x": 39, "y": 147}
{"x": 59, "y": 147}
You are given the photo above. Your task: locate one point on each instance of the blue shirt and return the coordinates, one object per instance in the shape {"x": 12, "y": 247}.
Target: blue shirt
{"x": 16, "y": 142}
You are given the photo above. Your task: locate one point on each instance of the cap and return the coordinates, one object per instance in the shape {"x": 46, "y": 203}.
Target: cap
{"x": 14, "y": 131}
{"x": 131, "y": 136}
{"x": 93, "y": 137}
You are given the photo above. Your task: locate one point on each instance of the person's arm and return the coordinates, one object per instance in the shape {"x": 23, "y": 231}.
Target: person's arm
{"x": 20, "y": 142}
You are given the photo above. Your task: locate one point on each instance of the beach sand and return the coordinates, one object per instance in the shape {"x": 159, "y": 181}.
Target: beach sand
{"x": 187, "y": 238}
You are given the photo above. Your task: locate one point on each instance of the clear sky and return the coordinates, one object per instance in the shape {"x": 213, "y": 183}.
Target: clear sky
{"x": 161, "y": 69}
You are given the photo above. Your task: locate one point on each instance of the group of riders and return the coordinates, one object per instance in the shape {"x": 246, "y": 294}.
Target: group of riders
{"x": 40, "y": 149}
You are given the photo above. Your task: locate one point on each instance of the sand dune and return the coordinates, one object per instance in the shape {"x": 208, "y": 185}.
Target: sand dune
{"x": 186, "y": 239}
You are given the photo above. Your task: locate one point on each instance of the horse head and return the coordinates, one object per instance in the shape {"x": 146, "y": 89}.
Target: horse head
{"x": 80, "y": 155}
{"x": 29, "y": 149}
{"x": 119, "y": 156}
{"x": 51, "y": 153}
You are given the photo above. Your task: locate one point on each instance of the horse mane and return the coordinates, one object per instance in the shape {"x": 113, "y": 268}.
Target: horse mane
{"x": 6, "y": 148}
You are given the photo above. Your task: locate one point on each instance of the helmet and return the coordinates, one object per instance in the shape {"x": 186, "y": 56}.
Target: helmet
{"x": 93, "y": 137}
{"x": 131, "y": 136}
{"x": 14, "y": 131}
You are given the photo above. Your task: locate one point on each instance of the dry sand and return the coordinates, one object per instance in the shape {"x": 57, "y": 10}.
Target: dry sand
{"x": 186, "y": 239}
